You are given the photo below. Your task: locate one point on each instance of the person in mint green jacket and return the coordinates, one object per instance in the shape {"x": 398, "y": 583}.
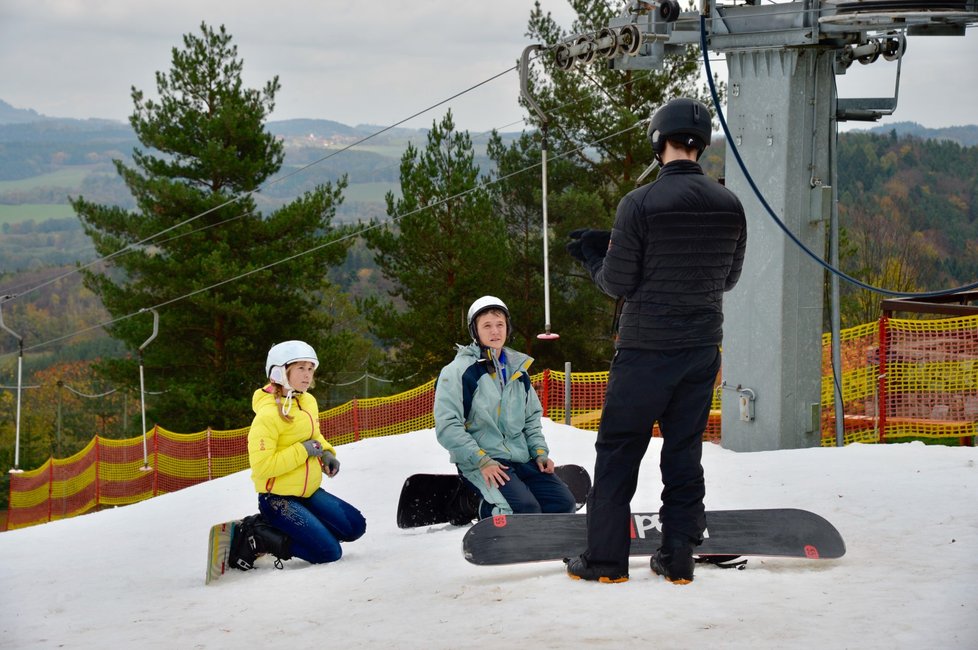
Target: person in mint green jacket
{"x": 487, "y": 415}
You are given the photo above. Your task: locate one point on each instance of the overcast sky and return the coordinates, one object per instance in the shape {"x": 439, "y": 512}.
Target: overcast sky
{"x": 360, "y": 62}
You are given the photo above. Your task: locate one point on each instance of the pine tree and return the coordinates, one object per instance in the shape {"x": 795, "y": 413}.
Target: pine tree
{"x": 597, "y": 147}
{"x": 195, "y": 243}
{"x": 430, "y": 260}
{"x": 519, "y": 201}
{"x": 445, "y": 248}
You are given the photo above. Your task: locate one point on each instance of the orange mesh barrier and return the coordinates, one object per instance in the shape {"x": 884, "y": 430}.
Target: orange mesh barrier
{"x": 379, "y": 416}
{"x": 587, "y": 398}
{"x": 858, "y": 352}
{"x": 905, "y": 379}
{"x": 117, "y": 472}
{"x": 900, "y": 379}
{"x": 928, "y": 377}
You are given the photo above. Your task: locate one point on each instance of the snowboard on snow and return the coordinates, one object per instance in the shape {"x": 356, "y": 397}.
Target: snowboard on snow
{"x": 512, "y": 539}
{"x": 219, "y": 549}
{"x": 429, "y": 499}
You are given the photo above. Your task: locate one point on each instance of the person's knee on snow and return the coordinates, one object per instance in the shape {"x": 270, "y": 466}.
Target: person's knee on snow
{"x": 322, "y": 549}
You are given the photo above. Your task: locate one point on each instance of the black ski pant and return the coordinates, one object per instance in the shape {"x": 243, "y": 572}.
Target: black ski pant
{"x": 673, "y": 387}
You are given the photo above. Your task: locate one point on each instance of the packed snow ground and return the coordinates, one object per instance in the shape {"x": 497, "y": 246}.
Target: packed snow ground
{"x": 134, "y": 576}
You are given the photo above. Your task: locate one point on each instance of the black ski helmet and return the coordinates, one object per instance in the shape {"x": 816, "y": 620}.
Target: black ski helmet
{"x": 482, "y": 305}
{"x": 684, "y": 120}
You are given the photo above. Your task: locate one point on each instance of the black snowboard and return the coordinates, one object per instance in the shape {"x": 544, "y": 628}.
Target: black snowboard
{"x": 428, "y": 499}
{"x": 511, "y": 539}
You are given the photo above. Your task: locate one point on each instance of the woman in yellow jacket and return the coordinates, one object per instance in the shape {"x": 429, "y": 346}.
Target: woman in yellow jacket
{"x": 288, "y": 456}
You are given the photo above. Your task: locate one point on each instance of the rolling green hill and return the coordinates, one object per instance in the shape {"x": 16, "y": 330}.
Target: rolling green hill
{"x": 43, "y": 161}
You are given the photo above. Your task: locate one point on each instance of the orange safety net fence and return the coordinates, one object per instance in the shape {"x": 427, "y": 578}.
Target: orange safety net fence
{"x": 900, "y": 379}
{"x": 587, "y": 397}
{"x": 905, "y": 379}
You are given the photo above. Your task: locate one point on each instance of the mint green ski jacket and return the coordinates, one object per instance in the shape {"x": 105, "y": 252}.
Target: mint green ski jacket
{"x": 477, "y": 414}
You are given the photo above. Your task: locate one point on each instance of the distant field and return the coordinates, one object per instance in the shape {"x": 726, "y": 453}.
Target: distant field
{"x": 396, "y": 149}
{"x": 358, "y": 192}
{"x": 69, "y": 178}
{"x": 37, "y": 212}
{"x": 387, "y": 150}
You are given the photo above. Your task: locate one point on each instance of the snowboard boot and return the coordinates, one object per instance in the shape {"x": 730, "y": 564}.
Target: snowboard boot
{"x": 272, "y": 541}
{"x": 464, "y": 506}
{"x": 243, "y": 552}
{"x": 674, "y": 560}
{"x": 253, "y": 537}
{"x": 579, "y": 568}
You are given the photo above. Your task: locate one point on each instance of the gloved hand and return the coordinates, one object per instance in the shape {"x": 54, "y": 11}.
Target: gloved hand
{"x": 313, "y": 448}
{"x": 576, "y": 249}
{"x": 330, "y": 464}
{"x": 587, "y": 244}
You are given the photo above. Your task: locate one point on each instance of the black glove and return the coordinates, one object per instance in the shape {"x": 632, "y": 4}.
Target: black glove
{"x": 330, "y": 464}
{"x": 587, "y": 244}
{"x": 576, "y": 249}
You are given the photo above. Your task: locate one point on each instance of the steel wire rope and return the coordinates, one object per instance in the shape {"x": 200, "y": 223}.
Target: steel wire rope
{"x": 777, "y": 220}
{"x": 273, "y": 181}
{"x": 357, "y": 233}
{"x": 381, "y": 224}
{"x": 366, "y": 375}
{"x": 81, "y": 394}
{"x": 132, "y": 246}
{"x": 13, "y": 292}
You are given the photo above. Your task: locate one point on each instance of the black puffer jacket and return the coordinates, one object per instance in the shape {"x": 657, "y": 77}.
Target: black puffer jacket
{"x": 677, "y": 244}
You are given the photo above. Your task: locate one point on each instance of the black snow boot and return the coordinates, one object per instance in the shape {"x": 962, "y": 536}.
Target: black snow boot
{"x": 244, "y": 548}
{"x": 580, "y": 568}
{"x": 674, "y": 559}
{"x": 464, "y": 506}
{"x": 253, "y": 537}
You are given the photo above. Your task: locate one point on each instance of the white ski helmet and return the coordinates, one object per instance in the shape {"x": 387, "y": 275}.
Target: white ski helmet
{"x": 484, "y": 304}
{"x": 282, "y": 354}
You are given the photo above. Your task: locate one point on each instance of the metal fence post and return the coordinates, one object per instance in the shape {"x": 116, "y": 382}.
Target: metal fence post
{"x": 567, "y": 392}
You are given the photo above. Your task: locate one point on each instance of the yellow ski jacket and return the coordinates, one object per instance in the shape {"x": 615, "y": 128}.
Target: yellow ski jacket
{"x": 279, "y": 462}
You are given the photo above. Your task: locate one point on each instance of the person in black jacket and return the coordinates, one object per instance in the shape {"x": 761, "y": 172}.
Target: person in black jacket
{"x": 676, "y": 246}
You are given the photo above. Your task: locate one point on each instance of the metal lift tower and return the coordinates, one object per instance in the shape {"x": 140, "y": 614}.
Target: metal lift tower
{"x": 782, "y": 113}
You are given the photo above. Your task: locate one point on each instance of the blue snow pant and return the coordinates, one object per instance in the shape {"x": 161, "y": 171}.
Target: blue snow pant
{"x": 673, "y": 387}
{"x": 528, "y": 490}
{"x": 315, "y": 524}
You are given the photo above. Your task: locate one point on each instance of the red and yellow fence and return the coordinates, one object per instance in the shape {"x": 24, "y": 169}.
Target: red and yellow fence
{"x": 900, "y": 379}
{"x": 905, "y": 379}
